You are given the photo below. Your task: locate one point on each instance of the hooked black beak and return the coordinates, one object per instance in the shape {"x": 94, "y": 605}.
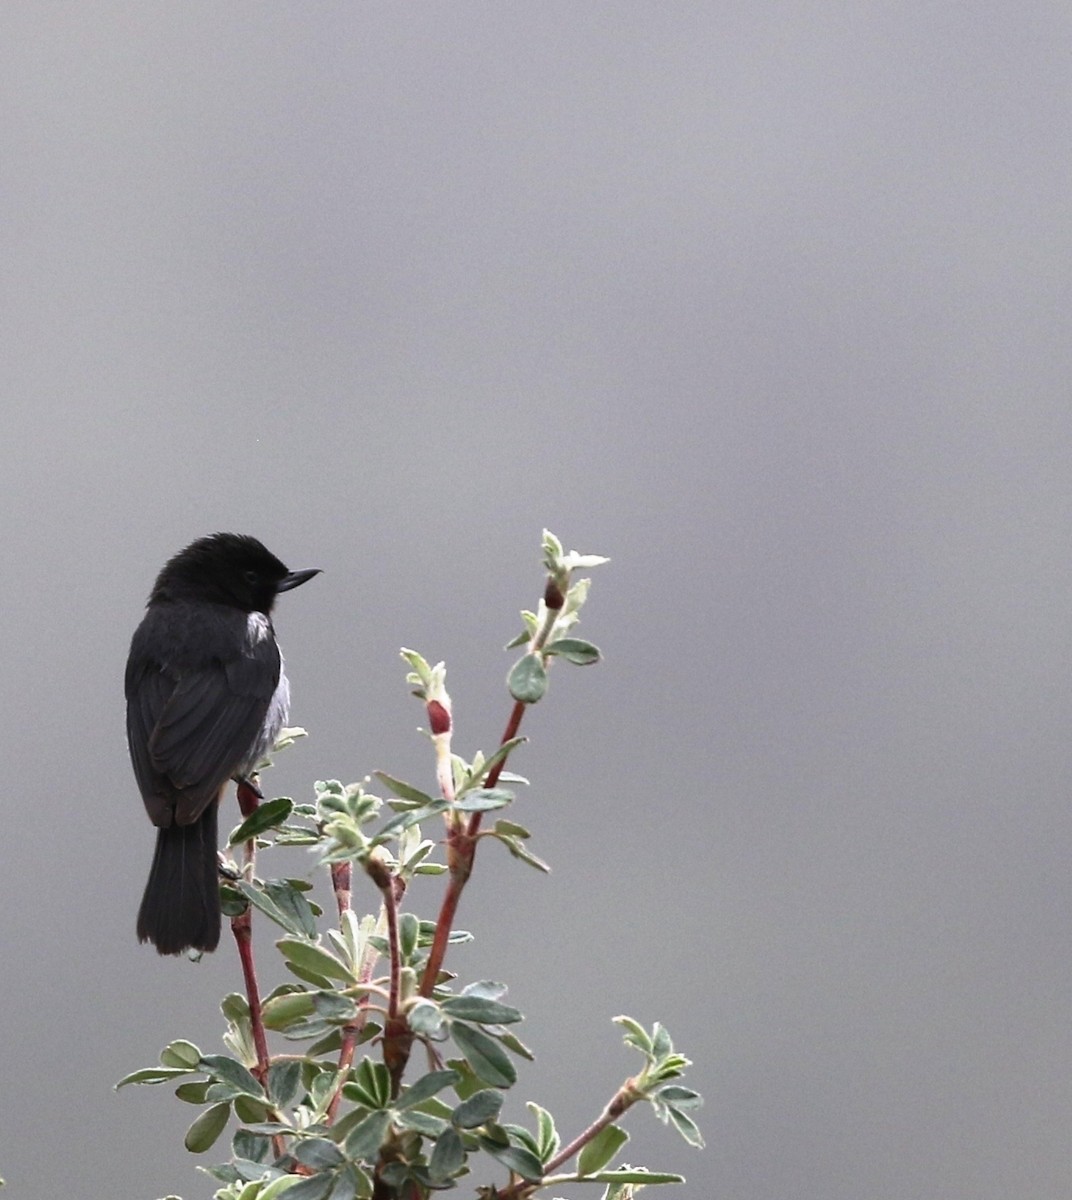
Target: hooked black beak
{"x": 296, "y": 579}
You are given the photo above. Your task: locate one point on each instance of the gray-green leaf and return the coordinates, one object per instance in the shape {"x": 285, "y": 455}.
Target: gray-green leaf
{"x": 574, "y": 650}
{"x": 481, "y": 1107}
{"x": 448, "y": 1155}
{"x": 484, "y": 1054}
{"x": 365, "y": 1139}
{"x": 266, "y": 816}
{"x": 312, "y": 957}
{"x": 484, "y": 1012}
{"x": 207, "y": 1128}
{"x": 601, "y": 1149}
{"x": 527, "y": 680}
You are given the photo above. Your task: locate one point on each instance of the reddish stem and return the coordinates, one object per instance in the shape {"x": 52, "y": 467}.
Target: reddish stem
{"x": 249, "y": 798}
{"x": 242, "y": 928}
{"x": 622, "y": 1100}
{"x": 461, "y": 850}
{"x": 509, "y": 733}
{"x": 397, "y": 1038}
{"x": 341, "y": 876}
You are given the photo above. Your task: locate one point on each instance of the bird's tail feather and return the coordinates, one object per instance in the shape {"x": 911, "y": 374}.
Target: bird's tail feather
{"x": 181, "y": 906}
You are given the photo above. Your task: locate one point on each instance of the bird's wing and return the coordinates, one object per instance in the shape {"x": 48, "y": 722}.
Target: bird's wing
{"x": 191, "y": 730}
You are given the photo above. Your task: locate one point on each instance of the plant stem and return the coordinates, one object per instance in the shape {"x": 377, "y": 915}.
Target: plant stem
{"x": 341, "y": 876}
{"x": 622, "y": 1100}
{"x": 249, "y": 797}
{"x": 241, "y": 927}
{"x": 461, "y": 849}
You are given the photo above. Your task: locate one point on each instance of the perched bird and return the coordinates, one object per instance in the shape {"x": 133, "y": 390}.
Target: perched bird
{"x": 206, "y": 698}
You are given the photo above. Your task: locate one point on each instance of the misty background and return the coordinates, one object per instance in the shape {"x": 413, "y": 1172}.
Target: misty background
{"x": 769, "y": 303}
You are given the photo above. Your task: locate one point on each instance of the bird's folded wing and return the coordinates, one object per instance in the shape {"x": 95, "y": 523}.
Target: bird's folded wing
{"x": 191, "y": 734}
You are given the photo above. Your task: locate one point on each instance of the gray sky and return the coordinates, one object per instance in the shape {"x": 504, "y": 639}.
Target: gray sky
{"x": 770, "y": 303}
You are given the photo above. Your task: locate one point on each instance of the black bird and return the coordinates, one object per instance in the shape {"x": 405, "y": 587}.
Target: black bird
{"x": 206, "y": 698}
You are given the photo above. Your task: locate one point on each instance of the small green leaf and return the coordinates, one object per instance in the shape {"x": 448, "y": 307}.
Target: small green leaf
{"x": 484, "y": 800}
{"x": 264, "y": 817}
{"x": 280, "y": 1012}
{"x": 448, "y": 1155}
{"x": 481, "y": 1107}
{"x": 314, "y": 958}
{"x": 371, "y": 1085}
{"x": 679, "y": 1097}
{"x": 633, "y": 1175}
{"x": 574, "y": 650}
{"x": 425, "y": 1018}
{"x": 527, "y": 680}
{"x": 276, "y": 1188}
{"x": 520, "y": 1136}
{"x": 266, "y": 904}
{"x": 510, "y": 829}
{"x": 404, "y": 790}
{"x": 322, "y": 1087}
{"x": 546, "y": 1135}
{"x": 288, "y": 895}
{"x": 422, "y": 1122}
{"x": 284, "y": 1081}
{"x": 413, "y": 816}
{"x": 484, "y": 1054}
{"x": 686, "y": 1126}
{"x": 312, "y": 1187}
{"x": 409, "y": 928}
{"x": 483, "y": 1012}
{"x": 247, "y": 1110}
{"x": 180, "y": 1053}
{"x": 426, "y": 1087}
{"x": 270, "y": 1128}
{"x": 512, "y": 1042}
{"x": 485, "y": 989}
{"x": 365, "y": 1139}
{"x": 518, "y": 850}
{"x": 635, "y": 1035}
{"x": 318, "y": 1153}
{"x": 306, "y": 976}
{"x": 331, "y": 1042}
{"x": 335, "y": 1007}
{"x": 419, "y": 664}
{"x": 193, "y": 1093}
{"x": 582, "y": 562}
{"x": 235, "y": 1007}
{"x": 516, "y": 1158}
{"x": 503, "y": 751}
{"x": 251, "y": 1146}
{"x": 229, "y": 1071}
{"x": 601, "y": 1149}
{"x": 152, "y": 1075}
{"x": 551, "y": 546}
{"x": 207, "y": 1128}
{"x": 347, "y": 1182}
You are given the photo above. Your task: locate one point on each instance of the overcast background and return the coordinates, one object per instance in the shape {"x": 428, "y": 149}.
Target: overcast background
{"x": 767, "y": 301}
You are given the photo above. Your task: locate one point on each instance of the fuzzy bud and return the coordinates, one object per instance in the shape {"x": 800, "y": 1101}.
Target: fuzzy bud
{"x": 553, "y": 596}
{"x": 378, "y": 868}
{"x": 438, "y": 717}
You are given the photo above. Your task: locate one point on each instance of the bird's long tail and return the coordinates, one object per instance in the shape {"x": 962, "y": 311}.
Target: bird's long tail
{"x": 181, "y": 906}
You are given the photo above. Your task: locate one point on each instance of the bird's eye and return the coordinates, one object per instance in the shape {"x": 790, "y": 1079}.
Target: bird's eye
{"x": 250, "y": 576}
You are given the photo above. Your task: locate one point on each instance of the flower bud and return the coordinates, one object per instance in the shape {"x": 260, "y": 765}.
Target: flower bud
{"x": 438, "y": 717}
